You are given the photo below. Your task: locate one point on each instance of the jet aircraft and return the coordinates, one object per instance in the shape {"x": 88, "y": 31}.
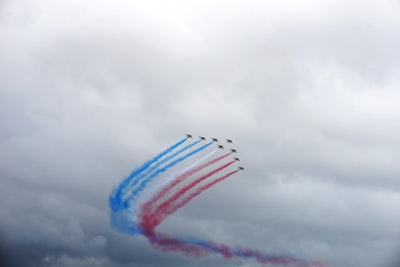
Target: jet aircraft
{"x": 233, "y": 150}
{"x": 229, "y": 140}
{"x": 241, "y": 168}
{"x": 237, "y": 159}
{"x": 188, "y": 135}
{"x": 214, "y": 139}
{"x": 202, "y": 138}
{"x": 220, "y": 147}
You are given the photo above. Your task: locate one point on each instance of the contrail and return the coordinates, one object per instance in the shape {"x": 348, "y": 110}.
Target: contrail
{"x": 179, "y": 179}
{"x": 178, "y": 173}
{"x": 116, "y": 196}
{"x": 178, "y": 204}
{"x": 150, "y": 222}
{"x": 133, "y": 216}
{"x": 144, "y": 182}
{"x": 150, "y": 190}
{"x": 198, "y": 247}
{"x": 159, "y": 163}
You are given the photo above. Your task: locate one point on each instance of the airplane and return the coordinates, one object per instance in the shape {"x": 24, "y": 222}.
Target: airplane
{"x": 189, "y": 136}
{"x": 202, "y": 138}
{"x": 214, "y": 139}
{"x": 241, "y": 168}
{"x": 229, "y": 140}
{"x": 220, "y": 147}
{"x": 237, "y": 159}
{"x": 233, "y": 150}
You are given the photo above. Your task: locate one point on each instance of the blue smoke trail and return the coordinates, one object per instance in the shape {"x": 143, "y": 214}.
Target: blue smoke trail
{"x": 163, "y": 169}
{"x": 125, "y": 220}
{"x": 243, "y": 253}
{"x": 116, "y": 196}
{"x": 158, "y": 164}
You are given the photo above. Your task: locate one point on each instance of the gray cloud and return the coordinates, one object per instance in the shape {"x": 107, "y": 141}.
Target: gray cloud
{"x": 307, "y": 90}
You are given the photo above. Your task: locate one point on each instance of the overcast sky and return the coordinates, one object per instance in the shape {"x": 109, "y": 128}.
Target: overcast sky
{"x": 308, "y": 90}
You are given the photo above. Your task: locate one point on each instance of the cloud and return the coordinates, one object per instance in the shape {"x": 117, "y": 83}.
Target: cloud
{"x": 308, "y": 91}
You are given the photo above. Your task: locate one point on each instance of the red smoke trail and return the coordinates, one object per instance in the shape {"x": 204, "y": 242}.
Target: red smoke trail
{"x": 151, "y": 220}
{"x": 200, "y": 248}
{"x": 197, "y": 247}
{"x": 165, "y": 243}
{"x": 148, "y": 205}
{"x": 176, "y": 205}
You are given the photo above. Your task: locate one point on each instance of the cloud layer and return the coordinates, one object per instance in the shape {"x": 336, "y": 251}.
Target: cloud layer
{"x": 308, "y": 90}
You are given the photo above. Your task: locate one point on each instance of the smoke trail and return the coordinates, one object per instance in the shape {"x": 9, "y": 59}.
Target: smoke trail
{"x": 159, "y": 163}
{"x": 124, "y": 217}
{"x": 178, "y": 173}
{"x": 197, "y": 247}
{"x": 150, "y": 190}
{"x": 147, "y": 206}
{"x": 116, "y": 195}
{"x": 125, "y": 220}
{"x": 151, "y": 221}
{"x": 144, "y": 182}
{"x": 176, "y": 205}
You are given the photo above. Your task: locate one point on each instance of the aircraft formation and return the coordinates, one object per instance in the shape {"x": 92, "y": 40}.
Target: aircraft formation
{"x": 229, "y": 141}
{"x": 143, "y": 200}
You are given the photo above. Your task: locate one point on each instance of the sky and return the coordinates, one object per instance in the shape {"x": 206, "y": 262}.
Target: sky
{"x": 308, "y": 91}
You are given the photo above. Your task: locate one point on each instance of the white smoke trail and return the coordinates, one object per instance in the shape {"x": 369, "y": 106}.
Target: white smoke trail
{"x": 152, "y": 188}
